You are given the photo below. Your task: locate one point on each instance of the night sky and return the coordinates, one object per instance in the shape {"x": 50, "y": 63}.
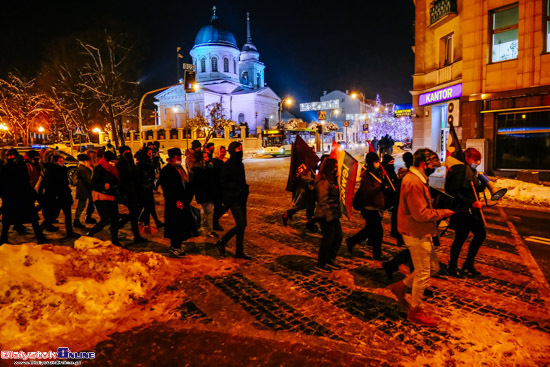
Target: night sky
{"x": 307, "y": 46}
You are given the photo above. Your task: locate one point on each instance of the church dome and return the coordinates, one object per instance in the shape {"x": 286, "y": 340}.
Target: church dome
{"x": 215, "y": 34}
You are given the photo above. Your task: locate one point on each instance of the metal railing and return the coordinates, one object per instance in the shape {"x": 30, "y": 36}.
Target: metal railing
{"x": 441, "y": 8}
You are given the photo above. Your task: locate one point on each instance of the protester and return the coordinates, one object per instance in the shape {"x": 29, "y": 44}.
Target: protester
{"x": 417, "y": 223}
{"x": 221, "y": 153}
{"x": 190, "y": 155}
{"x": 461, "y": 181}
{"x": 84, "y": 191}
{"x": 219, "y": 208}
{"x": 303, "y": 197}
{"x": 146, "y": 169}
{"x": 209, "y": 148}
{"x": 202, "y": 179}
{"x": 105, "y": 193}
{"x": 371, "y": 200}
{"x": 18, "y": 197}
{"x": 57, "y": 196}
{"x": 110, "y": 147}
{"x": 178, "y": 193}
{"x": 235, "y": 195}
{"x": 328, "y": 214}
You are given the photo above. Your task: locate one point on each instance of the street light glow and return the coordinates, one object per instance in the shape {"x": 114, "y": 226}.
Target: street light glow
{"x": 354, "y": 95}
{"x": 175, "y": 109}
{"x": 196, "y": 87}
{"x": 40, "y": 129}
{"x": 288, "y": 101}
{"x": 96, "y": 130}
{"x": 3, "y": 127}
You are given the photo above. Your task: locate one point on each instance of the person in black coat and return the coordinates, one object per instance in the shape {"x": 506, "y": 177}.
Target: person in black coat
{"x": 146, "y": 170}
{"x": 179, "y": 224}
{"x": 202, "y": 179}
{"x": 18, "y": 197}
{"x": 105, "y": 193}
{"x": 218, "y": 160}
{"x": 84, "y": 191}
{"x": 235, "y": 195}
{"x": 57, "y": 196}
{"x": 460, "y": 182}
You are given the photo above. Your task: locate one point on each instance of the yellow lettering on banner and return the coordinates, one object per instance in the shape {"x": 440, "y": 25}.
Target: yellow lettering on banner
{"x": 344, "y": 182}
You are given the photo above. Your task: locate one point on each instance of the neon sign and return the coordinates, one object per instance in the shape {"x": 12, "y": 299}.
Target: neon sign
{"x": 440, "y": 95}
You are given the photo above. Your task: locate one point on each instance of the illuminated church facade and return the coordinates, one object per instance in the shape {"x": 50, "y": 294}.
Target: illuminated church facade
{"x": 225, "y": 74}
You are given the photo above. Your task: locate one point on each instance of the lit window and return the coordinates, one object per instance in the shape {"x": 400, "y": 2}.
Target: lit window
{"x": 203, "y": 65}
{"x": 214, "y": 64}
{"x": 547, "y": 25}
{"x": 505, "y": 34}
{"x": 446, "y": 51}
{"x": 234, "y": 66}
{"x": 226, "y": 64}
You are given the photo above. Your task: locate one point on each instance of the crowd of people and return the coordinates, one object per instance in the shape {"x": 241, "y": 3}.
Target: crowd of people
{"x": 107, "y": 179}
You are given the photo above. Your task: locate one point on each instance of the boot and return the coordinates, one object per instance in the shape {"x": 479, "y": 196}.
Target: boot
{"x": 90, "y": 220}
{"x": 469, "y": 270}
{"x": 453, "y": 272}
{"x": 285, "y": 218}
{"x": 77, "y": 224}
{"x": 417, "y": 316}
{"x": 388, "y": 268}
{"x": 399, "y": 289}
{"x": 351, "y": 245}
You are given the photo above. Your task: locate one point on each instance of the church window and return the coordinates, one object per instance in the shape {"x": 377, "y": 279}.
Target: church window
{"x": 214, "y": 64}
{"x": 241, "y": 118}
{"x": 203, "y": 65}
{"x": 245, "y": 77}
{"x": 259, "y": 79}
{"x": 226, "y": 65}
{"x": 234, "y": 66}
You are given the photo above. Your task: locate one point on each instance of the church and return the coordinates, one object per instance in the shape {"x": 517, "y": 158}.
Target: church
{"x": 226, "y": 75}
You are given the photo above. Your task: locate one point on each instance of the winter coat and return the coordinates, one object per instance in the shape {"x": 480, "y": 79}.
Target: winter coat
{"x": 83, "y": 186}
{"x": 370, "y": 194}
{"x": 202, "y": 180}
{"x": 217, "y": 166}
{"x": 100, "y": 177}
{"x": 415, "y": 215}
{"x": 233, "y": 182}
{"x": 128, "y": 175}
{"x": 146, "y": 173}
{"x": 55, "y": 187}
{"x": 328, "y": 200}
{"x": 458, "y": 183}
{"x": 178, "y": 223}
{"x": 17, "y": 195}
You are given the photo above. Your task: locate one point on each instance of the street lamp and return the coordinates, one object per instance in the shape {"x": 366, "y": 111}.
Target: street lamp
{"x": 176, "y": 110}
{"x": 288, "y": 101}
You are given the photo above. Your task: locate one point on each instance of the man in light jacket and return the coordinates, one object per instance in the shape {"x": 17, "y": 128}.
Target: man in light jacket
{"x": 416, "y": 221}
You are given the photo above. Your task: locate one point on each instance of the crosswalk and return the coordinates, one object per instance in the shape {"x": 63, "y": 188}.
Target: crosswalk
{"x": 536, "y": 239}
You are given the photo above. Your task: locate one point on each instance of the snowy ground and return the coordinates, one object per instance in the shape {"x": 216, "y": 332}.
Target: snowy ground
{"x": 140, "y": 307}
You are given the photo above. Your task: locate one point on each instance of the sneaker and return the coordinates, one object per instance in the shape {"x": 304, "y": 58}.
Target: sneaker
{"x": 243, "y": 256}
{"x": 285, "y": 218}
{"x": 399, "y": 290}
{"x": 417, "y": 316}
{"x": 90, "y": 220}
{"x": 77, "y": 224}
{"x": 388, "y": 268}
{"x": 221, "y": 247}
{"x": 322, "y": 269}
{"x": 177, "y": 252}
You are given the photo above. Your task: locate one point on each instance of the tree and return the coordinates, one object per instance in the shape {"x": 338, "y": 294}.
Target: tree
{"x": 218, "y": 121}
{"x": 21, "y": 105}
{"x": 105, "y": 77}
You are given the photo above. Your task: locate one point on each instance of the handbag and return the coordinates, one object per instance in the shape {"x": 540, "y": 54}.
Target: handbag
{"x": 196, "y": 215}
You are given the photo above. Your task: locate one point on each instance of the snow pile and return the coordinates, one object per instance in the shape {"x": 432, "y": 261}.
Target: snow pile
{"x": 50, "y": 294}
{"x": 523, "y": 192}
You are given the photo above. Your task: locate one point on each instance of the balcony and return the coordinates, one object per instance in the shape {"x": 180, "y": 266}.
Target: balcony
{"x": 440, "y": 9}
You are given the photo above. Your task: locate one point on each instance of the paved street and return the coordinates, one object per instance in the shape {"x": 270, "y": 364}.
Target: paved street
{"x": 275, "y": 310}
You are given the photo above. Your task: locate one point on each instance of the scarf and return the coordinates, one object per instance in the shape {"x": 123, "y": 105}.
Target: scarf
{"x": 111, "y": 169}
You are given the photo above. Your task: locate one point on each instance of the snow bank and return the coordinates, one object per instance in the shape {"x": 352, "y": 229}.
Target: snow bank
{"x": 53, "y": 293}
{"x": 523, "y": 192}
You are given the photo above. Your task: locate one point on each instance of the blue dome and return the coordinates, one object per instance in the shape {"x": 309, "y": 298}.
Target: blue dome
{"x": 215, "y": 34}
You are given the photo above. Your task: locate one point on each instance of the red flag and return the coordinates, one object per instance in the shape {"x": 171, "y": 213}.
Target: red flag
{"x": 302, "y": 159}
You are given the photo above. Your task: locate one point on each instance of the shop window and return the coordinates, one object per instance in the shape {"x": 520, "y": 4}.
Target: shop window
{"x": 446, "y": 50}
{"x": 214, "y": 64}
{"x": 504, "y": 36}
{"x": 226, "y": 64}
{"x": 523, "y": 140}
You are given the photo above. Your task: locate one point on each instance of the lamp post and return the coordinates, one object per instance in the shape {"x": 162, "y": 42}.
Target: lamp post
{"x": 362, "y": 98}
{"x": 176, "y": 110}
{"x": 288, "y": 102}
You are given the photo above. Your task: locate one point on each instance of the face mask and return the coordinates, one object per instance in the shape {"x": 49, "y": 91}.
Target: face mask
{"x": 238, "y": 155}
{"x": 474, "y": 165}
{"x": 177, "y": 162}
{"x": 376, "y": 165}
{"x": 428, "y": 171}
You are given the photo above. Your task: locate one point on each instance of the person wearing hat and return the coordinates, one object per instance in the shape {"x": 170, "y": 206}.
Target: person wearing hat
{"x": 235, "y": 195}
{"x": 105, "y": 193}
{"x": 84, "y": 191}
{"x": 179, "y": 224}
{"x": 110, "y": 147}
{"x": 370, "y": 199}
{"x": 18, "y": 197}
{"x": 416, "y": 221}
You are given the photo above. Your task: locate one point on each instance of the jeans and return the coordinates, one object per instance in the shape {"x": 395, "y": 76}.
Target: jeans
{"x": 80, "y": 208}
{"x": 331, "y": 241}
{"x": 239, "y": 214}
{"x": 464, "y": 225}
{"x": 108, "y": 213}
{"x": 372, "y": 230}
{"x": 207, "y": 217}
{"x": 425, "y": 263}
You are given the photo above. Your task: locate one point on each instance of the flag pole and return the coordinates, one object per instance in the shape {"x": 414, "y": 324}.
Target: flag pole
{"x": 363, "y": 166}
{"x": 477, "y": 199}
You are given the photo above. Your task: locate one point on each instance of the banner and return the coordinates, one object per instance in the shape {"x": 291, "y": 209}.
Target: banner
{"x": 453, "y": 145}
{"x": 347, "y": 175}
{"x": 302, "y": 159}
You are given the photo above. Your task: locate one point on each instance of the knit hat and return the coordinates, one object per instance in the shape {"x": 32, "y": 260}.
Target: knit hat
{"x": 386, "y": 159}
{"x": 371, "y": 158}
{"x": 83, "y": 157}
{"x": 172, "y": 152}
{"x": 109, "y": 156}
{"x": 195, "y": 144}
{"x": 232, "y": 146}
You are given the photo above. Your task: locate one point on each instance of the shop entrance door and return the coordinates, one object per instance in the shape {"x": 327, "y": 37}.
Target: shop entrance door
{"x": 440, "y": 130}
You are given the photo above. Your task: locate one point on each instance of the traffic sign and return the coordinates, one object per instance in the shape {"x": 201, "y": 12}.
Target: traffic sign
{"x": 346, "y": 123}
{"x": 365, "y": 128}
{"x": 78, "y": 131}
{"x": 322, "y": 115}
{"x": 188, "y": 66}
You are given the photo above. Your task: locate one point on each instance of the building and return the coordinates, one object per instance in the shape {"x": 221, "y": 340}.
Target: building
{"x": 485, "y": 65}
{"x": 225, "y": 74}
